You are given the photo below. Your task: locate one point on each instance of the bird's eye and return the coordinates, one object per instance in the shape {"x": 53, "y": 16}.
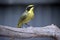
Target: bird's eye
{"x": 28, "y": 8}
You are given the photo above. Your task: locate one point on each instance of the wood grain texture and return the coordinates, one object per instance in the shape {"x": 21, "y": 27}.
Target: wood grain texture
{"x": 30, "y": 32}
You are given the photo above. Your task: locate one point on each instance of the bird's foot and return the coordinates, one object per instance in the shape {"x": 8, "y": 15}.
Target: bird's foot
{"x": 27, "y": 24}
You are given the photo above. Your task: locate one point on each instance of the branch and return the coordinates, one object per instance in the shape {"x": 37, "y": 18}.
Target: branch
{"x": 48, "y": 31}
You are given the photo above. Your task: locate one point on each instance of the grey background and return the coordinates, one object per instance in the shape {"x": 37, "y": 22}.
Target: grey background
{"x": 46, "y": 13}
{"x": 28, "y": 1}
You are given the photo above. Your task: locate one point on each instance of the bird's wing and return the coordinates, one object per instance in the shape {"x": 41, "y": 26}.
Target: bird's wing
{"x": 24, "y": 15}
{"x": 22, "y": 18}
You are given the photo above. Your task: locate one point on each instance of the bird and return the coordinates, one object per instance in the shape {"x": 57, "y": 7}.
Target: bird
{"x": 27, "y": 16}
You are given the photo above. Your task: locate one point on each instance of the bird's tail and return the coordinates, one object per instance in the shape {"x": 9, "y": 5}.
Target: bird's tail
{"x": 19, "y": 25}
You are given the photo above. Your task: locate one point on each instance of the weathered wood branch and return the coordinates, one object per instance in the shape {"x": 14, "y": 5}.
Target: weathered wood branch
{"x": 48, "y": 31}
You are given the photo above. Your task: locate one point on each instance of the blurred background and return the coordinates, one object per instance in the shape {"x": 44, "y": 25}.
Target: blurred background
{"x": 47, "y": 12}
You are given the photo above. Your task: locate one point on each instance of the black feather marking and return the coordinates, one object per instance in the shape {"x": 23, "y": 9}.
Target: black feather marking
{"x": 28, "y": 8}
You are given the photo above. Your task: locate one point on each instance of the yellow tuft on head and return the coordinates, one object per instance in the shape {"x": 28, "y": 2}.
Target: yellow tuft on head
{"x": 30, "y": 5}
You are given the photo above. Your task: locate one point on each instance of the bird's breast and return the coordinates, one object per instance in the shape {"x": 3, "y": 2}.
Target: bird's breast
{"x": 29, "y": 17}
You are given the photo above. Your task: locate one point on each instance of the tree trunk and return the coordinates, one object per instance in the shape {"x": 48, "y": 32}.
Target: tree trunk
{"x": 48, "y": 31}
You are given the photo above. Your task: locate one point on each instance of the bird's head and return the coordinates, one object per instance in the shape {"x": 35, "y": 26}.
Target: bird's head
{"x": 30, "y": 7}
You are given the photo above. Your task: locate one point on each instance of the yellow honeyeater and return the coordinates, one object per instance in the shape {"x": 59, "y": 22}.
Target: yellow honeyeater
{"x": 26, "y": 16}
